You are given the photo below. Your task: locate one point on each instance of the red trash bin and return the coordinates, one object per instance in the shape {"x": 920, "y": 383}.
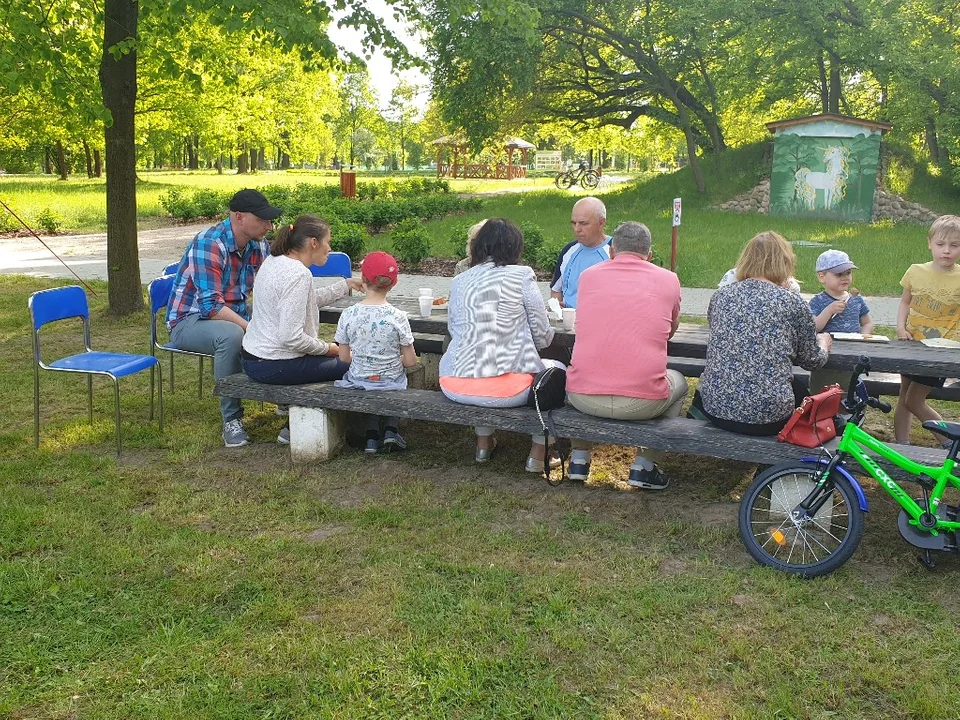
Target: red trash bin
{"x": 348, "y": 184}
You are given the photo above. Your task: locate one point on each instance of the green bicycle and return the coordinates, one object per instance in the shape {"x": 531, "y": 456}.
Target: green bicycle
{"x": 806, "y": 517}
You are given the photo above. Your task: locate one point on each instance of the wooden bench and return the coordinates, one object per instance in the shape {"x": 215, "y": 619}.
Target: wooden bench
{"x": 317, "y": 423}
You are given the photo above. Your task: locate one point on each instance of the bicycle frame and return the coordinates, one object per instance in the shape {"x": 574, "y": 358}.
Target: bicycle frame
{"x": 855, "y": 442}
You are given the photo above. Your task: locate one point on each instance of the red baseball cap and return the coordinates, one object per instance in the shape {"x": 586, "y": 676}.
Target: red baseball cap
{"x": 379, "y": 264}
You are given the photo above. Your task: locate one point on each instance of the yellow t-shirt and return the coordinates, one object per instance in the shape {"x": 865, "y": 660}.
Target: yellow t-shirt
{"x": 935, "y": 301}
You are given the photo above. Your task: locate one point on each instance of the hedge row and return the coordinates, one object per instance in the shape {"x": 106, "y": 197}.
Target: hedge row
{"x": 377, "y": 205}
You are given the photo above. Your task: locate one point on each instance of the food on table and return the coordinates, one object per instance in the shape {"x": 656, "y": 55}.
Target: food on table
{"x": 440, "y": 301}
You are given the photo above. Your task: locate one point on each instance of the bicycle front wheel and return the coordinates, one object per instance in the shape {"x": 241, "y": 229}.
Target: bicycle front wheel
{"x": 563, "y": 180}
{"x": 808, "y": 544}
{"x": 590, "y": 180}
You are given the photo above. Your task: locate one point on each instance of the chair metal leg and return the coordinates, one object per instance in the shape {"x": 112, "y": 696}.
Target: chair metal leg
{"x": 171, "y": 372}
{"x": 159, "y": 396}
{"x": 36, "y": 406}
{"x": 90, "y": 398}
{"x": 151, "y": 387}
{"x": 200, "y": 381}
{"x": 116, "y": 400}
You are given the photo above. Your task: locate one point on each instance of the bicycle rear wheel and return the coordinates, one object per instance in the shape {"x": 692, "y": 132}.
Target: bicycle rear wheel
{"x": 563, "y": 180}
{"x": 590, "y": 180}
{"x": 814, "y": 544}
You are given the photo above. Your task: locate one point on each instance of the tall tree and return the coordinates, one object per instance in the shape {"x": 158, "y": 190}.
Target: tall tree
{"x": 296, "y": 24}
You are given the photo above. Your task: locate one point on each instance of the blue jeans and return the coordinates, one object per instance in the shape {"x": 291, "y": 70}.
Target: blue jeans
{"x": 219, "y": 338}
{"x": 295, "y": 371}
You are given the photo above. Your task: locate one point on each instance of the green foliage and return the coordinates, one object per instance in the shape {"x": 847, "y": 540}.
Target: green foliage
{"x": 411, "y": 242}
{"x": 48, "y": 221}
{"x": 458, "y": 239}
{"x": 350, "y": 238}
{"x": 200, "y": 203}
{"x": 532, "y": 241}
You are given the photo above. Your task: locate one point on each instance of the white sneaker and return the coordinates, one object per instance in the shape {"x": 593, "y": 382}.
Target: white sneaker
{"x": 284, "y": 437}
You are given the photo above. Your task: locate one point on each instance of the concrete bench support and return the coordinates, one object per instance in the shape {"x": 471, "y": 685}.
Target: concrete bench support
{"x": 316, "y": 434}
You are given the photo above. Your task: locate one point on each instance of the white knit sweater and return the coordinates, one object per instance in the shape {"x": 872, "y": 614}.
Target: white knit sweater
{"x": 286, "y": 310}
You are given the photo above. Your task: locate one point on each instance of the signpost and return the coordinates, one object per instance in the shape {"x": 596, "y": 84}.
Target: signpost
{"x": 673, "y": 240}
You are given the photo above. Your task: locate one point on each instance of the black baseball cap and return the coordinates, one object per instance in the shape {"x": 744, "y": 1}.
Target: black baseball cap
{"x": 254, "y": 201}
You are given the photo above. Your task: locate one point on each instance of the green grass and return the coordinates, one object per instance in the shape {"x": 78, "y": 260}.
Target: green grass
{"x": 709, "y": 240}
{"x": 191, "y": 581}
{"x": 81, "y": 203}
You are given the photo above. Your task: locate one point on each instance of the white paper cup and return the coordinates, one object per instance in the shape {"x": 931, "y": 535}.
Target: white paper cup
{"x": 426, "y": 306}
{"x": 569, "y": 318}
{"x": 425, "y": 292}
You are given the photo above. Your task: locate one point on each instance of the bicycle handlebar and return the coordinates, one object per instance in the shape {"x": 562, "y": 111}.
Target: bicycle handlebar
{"x": 880, "y": 405}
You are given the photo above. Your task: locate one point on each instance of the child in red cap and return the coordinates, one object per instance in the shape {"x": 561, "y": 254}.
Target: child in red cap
{"x": 376, "y": 340}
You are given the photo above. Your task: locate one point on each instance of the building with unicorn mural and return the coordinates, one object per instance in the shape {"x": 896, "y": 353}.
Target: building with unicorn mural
{"x": 825, "y": 166}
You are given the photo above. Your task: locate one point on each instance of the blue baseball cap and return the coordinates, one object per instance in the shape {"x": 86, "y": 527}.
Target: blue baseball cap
{"x": 835, "y": 261}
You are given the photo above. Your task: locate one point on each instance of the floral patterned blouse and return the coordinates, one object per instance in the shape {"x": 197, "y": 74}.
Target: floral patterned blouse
{"x": 758, "y": 331}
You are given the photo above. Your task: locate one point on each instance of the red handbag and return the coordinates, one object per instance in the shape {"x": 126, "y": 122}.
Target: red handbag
{"x": 812, "y": 424}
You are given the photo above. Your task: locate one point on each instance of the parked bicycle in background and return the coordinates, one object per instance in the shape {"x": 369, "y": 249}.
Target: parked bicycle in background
{"x": 587, "y": 177}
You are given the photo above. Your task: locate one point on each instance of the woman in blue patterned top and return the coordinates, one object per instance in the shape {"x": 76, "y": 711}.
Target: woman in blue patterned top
{"x": 758, "y": 331}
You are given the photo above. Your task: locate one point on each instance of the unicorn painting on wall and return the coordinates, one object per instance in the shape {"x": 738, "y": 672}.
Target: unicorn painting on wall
{"x": 832, "y": 182}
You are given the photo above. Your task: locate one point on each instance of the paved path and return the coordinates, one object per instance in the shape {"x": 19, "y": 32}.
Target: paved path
{"x": 86, "y": 255}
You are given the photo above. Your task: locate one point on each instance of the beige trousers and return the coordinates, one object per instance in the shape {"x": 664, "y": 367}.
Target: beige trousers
{"x": 618, "y": 407}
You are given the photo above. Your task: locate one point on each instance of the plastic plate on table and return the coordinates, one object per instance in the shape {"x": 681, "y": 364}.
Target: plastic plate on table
{"x": 859, "y": 337}
{"x": 941, "y": 343}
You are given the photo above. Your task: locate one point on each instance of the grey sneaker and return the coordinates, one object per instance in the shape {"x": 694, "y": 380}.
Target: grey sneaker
{"x": 392, "y": 440}
{"x": 284, "y": 437}
{"x": 234, "y": 435}
{"x": 648, "y": 479}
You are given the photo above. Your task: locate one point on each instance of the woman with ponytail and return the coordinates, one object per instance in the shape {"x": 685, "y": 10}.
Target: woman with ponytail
{"x": 280, "y": 346}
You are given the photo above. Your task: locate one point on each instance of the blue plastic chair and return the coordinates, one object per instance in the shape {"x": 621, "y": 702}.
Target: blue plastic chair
{"x": 47, "y": 306}
{"x": 159, "y": 291}
{"x": 337, "y": 265}
{"x": 171, "y": 269}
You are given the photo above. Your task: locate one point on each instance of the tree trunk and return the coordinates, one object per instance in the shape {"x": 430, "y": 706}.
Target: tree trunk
{"x": 261, "y": 159}
{"x": 97, "y": 164}
{"x": 242, "y": 163}
{"x": 824, "y": 89}
{"x": 47, "y": 163}
{"x": 835, "y": 86}
{"x": 191, "y": 154}
{"x": 253, "y": 160}
{"x": 219, "y": 164}
{"x": 939, "y": 155}
{"x": 118, "y": 83}
{"x": 61, "y": 161}
{"x": 86, "y": 152}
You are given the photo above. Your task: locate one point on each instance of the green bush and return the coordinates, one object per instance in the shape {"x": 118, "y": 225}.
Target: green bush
{"x": 48, "y": 221}
{"x": 350, "y": 238}
{"x": 411, "y": 243}
{"x": 546, "y": 257}
{"x": 458, "y": 239}
{"x": 532, "y": 241}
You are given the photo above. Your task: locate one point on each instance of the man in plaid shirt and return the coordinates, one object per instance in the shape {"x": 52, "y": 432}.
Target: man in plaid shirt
{"x": 210, "y": 302}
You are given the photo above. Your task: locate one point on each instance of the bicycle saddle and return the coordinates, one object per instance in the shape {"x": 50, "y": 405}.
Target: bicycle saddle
{"x": 941, "y": 427}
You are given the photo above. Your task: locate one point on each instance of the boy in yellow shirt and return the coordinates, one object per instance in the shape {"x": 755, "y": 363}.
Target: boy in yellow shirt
{"x": 929, "y": 308}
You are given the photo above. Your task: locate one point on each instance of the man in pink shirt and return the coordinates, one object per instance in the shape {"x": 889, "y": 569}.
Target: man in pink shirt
{"x": 627, "y": 310}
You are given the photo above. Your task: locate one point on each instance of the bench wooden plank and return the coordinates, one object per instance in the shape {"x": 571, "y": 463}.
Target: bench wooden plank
{"x": 680, "y": 435}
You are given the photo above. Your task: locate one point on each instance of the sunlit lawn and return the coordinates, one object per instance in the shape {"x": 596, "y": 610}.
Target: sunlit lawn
{"x": 709, "y": 240}
{"x": 81, "y": 204}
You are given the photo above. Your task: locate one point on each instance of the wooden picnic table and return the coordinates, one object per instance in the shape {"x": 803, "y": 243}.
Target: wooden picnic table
{"x": 690, "y": 341}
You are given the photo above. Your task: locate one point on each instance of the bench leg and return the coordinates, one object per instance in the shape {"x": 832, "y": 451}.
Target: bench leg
{"x": 431, "y": 370}
{"x": 316, "y": 434}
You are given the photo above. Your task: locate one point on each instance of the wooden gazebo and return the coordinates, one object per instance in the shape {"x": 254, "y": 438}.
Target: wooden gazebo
{"x": 459, "y": 165}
